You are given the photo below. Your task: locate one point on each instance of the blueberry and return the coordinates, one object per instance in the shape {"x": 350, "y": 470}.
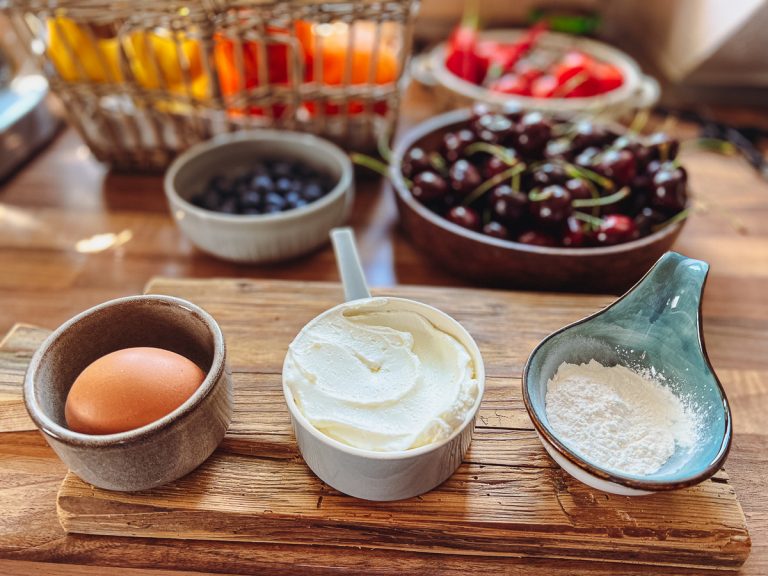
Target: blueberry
{"x": 283, "y": 185}
{"x": 251, "y": 199}
{"x": 262, "y": 183}
{"x": 274, "y": 200}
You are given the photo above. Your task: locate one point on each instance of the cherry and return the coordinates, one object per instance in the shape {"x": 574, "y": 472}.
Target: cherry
{"x": 494, "y": 165}
{"x": 512, "y": 110}
{"x": 587, "y": 134}
{"x": 454, "y": 143}
{"x": 617, "y": 165}
{"x": 578, "y": 189}
{"x": 464, "y": 217}
{"x": 548, "y": 174}
{"x": 559, "y": 148}
{"x": 586, "y": 157}
{"x": 575, "y": 234}
{"x": 662, "y": 146}
{"x": 480, "y": 109}
{"x": 536, "y": 238}
{"x": 508, "y": 205}
{"x": 464, "y": 177}
{"x": 647, "y": 218}
{"x": 668, "y": 190}
{"x": 493, "y": 128}
{"x": 641, "y": 153}
{"x": 654, "y": 166}
{"x": 552, "y": 206}
{"x": 428, "y": 186}
{"x": 532, "y": 134}
{"x": 496, "y": 230}
{"x": 615, "y": 229}
{"x": 415, "y": 161}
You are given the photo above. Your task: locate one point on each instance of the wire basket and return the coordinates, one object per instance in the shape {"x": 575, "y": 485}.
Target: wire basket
{"x": 142, "y": 80}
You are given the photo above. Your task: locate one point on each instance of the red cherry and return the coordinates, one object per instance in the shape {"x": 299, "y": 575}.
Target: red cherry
{"x": 464, "y": 217}
{"x": 616, "y": 229}
{"x": 536, "y": 238}
{"x": 496, "y": 230}
{"x": 575, "y": 234}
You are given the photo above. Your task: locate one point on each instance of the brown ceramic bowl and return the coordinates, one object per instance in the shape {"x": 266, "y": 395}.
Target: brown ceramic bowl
{"x": 490, "y": 261}
{"x": 163, "y": 450}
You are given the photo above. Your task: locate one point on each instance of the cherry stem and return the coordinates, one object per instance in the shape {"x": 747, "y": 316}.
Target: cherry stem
{"x": 375, "y": 165}
{"x": 639, "y": 121}
{"x": 498, "y": 151}
{"x": 438, "y": 163}
{"x": 382, "y": 146}
{"x": 588, "y": 218}
{"x": 679, "y": 217}
{"x": 602, "y": 201}
{"x": 491, "y": 183}
{"x": 585, "y": 174}
{"x": 712, "y": 144}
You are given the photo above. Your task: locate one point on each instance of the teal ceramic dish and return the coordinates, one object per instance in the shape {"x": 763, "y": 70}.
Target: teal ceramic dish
{"x": 657, "y": 323}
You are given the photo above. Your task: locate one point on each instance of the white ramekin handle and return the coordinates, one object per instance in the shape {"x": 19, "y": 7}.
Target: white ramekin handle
{"x": 348, "y": 261}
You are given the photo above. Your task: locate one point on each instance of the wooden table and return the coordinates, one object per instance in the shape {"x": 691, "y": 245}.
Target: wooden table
{"x": 73, "y": 234}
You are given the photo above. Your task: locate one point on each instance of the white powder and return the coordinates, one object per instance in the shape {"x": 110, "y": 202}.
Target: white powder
{"x": 616, "y": 418}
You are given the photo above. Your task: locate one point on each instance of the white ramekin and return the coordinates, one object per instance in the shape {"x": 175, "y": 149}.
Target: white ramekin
{"x": 264, "y": 237}
{"x": 393, "y": 475}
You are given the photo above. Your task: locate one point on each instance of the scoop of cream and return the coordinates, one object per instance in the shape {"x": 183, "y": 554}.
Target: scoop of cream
{"x": 376, "y": 376}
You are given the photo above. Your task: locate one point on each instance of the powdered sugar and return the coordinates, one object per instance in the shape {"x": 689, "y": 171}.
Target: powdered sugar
{"x": 618, "y": 419}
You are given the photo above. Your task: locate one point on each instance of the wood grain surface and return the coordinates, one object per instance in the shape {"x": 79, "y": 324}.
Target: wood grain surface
{"x": 56, "y": 210}
{"x": 508, "y": 498}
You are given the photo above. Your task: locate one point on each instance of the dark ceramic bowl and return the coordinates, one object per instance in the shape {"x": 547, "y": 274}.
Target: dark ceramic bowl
{"x": 495, "y": 262}
{"x": 163, "y": 450}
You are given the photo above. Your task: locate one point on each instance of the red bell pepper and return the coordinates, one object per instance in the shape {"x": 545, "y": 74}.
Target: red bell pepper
{"x": 462, "y": 58}
{"x": 507, "y": 55}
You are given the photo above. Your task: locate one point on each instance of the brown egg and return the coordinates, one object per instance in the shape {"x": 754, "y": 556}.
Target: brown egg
{"x": 128, "y": 389}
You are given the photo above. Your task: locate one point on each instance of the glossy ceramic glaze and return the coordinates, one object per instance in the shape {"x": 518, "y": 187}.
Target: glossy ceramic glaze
{"x": 163, "y": 450}
{"x": 261, "y": 237}
{"x": 656, "y": 324}
{"x": 491, "y": 261}
{"x": 394, "y": 475}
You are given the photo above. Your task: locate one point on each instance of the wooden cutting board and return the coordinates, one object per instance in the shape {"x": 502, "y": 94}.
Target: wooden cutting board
{"x": 508, "y": 498}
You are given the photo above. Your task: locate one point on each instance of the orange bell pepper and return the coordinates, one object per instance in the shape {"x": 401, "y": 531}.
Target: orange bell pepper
{"x": 333, "y": 42}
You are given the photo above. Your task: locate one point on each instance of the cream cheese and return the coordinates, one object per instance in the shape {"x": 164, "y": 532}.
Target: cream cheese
{"x": 379, "y": 377}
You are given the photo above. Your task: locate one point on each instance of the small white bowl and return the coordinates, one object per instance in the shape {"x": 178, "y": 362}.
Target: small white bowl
{"x": 637, "y": 91}
{"x": 395, "y": 475}
{"x": 263, "y": 237}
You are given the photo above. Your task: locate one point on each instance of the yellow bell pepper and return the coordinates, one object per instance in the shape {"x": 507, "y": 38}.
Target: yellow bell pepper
{"x": 79, "y": 56}
{"x": 156, "y": 62}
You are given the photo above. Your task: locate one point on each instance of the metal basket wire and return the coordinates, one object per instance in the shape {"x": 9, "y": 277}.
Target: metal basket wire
{"x": 143, "y": 80}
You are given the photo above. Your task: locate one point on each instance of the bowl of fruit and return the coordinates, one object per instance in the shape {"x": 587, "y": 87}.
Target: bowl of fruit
{"x": 540, "y": 70}
{"x": 527, "y": 200}
{"x": 259, "y": 196}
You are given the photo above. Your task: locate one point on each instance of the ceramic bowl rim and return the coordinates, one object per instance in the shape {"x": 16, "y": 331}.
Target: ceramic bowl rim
{"x": 399, "y": 455}
{"x": 630, "y": 70}
{"x": 612, "y": 476}
{"x": 461, "y": 115}
{"x": 51, "y": 428}
{"x": 292, "y": 138}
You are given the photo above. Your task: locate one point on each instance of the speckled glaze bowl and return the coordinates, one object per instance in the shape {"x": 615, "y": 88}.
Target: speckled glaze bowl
{"x": 163, "y": 450}
{"x": 656, "y": 324}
